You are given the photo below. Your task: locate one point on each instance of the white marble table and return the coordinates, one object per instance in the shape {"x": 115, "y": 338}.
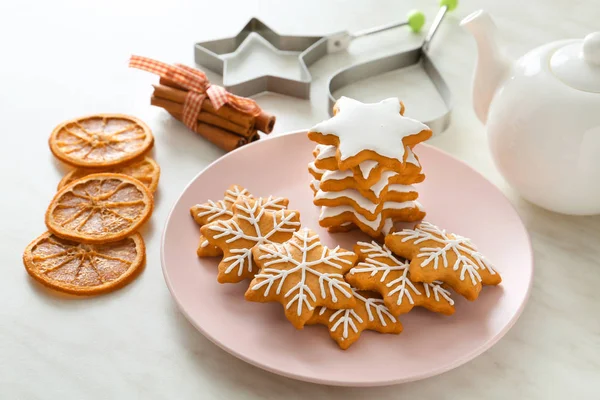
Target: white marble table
{"x": 66, "y": 58}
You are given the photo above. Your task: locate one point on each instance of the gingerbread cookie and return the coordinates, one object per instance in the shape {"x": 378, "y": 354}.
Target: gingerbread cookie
{"x": 379, "y": 270}
{"x": 408, "y": 211}
{"x": 413, "y": 165}
{"x": 316, "y": 172}
{"x": 251, "y": 224}
{"x": 325, "y": 160}
{"x": 336, "y": 181}
{"x": 325, "y": 157}
{"x": 367, "y": 173}
{"x": 314, "y": 185}
{"x": 362, "y": 205}
{"x": 345, "y": 326}
{"x": 376, "y": 132}
{"x": 215, "y": 211}
{"x": 302, "y": 274}
{"x": 221, "y": 210}
{"x": 343, "y": 227}
{"x": 440, "y": 256}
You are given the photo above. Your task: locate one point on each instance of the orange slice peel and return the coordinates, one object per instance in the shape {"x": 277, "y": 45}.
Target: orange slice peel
{"x": 101, "y": 140}
{"x": 84, "y": 269}
{"x": 145, "y": 170}
{"x": 99, "y": 208}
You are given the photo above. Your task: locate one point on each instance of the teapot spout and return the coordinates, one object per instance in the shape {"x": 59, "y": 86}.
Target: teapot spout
{"x": 492, "y": 64}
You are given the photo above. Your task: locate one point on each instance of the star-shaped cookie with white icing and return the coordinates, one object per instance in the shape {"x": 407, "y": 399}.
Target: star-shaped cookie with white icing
{"x": 381, "y": 271}
{"x": 437, "y": 255}
{"x": 369, "y": 313}
{"x": 221, "y": 210}
{"x": 251, "y": 224}
{"x": 374, "y": 131}
{"x": 302, "y": 274}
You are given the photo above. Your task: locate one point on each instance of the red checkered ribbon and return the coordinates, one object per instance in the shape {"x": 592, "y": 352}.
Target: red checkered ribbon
{"x": 198, "y": 86}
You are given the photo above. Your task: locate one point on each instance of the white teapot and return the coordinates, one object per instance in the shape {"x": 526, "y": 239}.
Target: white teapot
{"x": 542, "y": 115}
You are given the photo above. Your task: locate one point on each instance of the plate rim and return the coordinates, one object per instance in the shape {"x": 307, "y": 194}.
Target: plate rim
{"x": 434, "y": 372}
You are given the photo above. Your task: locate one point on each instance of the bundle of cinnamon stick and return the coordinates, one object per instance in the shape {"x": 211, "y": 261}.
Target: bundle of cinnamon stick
{"x": 226, "y": 127}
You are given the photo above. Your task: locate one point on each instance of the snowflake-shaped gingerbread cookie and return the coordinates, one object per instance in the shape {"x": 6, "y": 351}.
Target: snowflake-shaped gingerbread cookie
{"x": 302, "y": 274}
{"x": 381, "y": 271}
{"x": 251, "y": 224}
{"x": 345, "y": 326}
{"x": 215, "y": 211}
{"x": 222, "y": 209}
{"x": 437, "y": 255}
{"x": 376, "y": 132}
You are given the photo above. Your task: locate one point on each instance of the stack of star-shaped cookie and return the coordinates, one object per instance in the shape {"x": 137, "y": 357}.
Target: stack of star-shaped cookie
{"x": 365, "y": 167}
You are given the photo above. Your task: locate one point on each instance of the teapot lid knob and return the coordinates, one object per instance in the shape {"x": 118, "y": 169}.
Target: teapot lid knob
{"x": 591, "y": 48}
{"x": 577, "y": 63}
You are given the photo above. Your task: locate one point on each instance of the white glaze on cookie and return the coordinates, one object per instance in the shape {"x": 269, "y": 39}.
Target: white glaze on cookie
{"x": 362, "y": 201}
{"x": 411, "y": 158}
{"x": 366, "y": 167}
{"x": 313, "y": 168}
{"x": 377, "y": 187}
{"x": 376, "y": 225}
{"x": 328, "y": 151}
{"x": 378, "y": 127}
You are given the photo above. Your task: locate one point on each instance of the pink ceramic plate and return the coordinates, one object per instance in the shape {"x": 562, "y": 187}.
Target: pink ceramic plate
{"x": 455, "y": 197}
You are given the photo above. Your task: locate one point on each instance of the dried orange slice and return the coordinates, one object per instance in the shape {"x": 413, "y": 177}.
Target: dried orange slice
{"x": 99, "y": 208}
{"x": 84, "y": 269}
{"x": 100, "y": 141}
{"x": 145, "y": 170}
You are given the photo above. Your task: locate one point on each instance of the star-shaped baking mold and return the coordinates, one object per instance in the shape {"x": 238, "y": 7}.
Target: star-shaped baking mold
{"x": 212, "y": 55}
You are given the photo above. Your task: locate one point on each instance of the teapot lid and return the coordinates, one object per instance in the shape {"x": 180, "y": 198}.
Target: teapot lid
{"x": 578, "y": 64}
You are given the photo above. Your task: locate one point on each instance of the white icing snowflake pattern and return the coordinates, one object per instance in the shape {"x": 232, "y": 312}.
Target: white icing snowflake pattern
{"x": 460, "y": 246}
{"x": 251, "y": 212}
{"x": 301, "y": 294}
{"x": 221, "y": 209}
{"x": 215, "y": 209}
{"x": 402, "y": 287}
{"x": 349, "y": 319}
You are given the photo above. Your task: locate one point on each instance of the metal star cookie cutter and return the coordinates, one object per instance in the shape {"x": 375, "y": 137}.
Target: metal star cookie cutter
{"x": 400, "y": 60}
{"x": 310, "y": 49}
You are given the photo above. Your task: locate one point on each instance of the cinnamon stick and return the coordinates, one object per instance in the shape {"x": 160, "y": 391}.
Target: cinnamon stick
{"x": 170, "y": 90}
{"x": 208, "y": 118}
{"x": 265, "y": 122}
{"x": 223, "y": 139}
